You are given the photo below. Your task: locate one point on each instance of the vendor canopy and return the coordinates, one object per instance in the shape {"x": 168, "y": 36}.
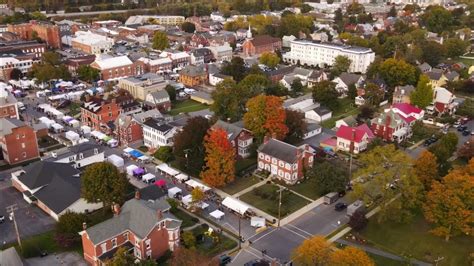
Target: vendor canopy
{"x": 166, "y": 169}
{"x": 131, "y": 168}
{"x": 236, "y": 205}
{"x": 194, "y": 184}
{"x": 217, "y": 214}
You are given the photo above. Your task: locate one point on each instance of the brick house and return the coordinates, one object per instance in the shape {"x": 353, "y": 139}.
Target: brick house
{"x": 158, "y": 99}
{"x": 25, "y": 47}
{"x": 8, "y": 105}
{"x": 49, "y": 33}
{"x": 193, "y": 76}
{"x": 18, "y": 141}
{"x": 113, "y": 68}
{"x": 261, "y": 44}
{"x": 73, "y": 64}
{"x": 127, "y": 130}
{"x": 284, "y": 161}
{"x": 97, "y": 113}
{"x": 390, "y": 126}
{"x": 145, "y": 228}
{"x": 240, "y": 138}
{"x": 54, "y": 187}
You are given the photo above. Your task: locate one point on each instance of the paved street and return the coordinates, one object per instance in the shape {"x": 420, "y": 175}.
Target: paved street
{"x": 280, "y": 242}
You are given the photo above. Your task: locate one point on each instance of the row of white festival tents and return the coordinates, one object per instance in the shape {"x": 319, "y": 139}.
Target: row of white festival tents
{"x": 100, "y": 136}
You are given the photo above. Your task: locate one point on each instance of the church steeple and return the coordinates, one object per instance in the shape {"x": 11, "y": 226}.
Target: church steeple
{"x": 249, "y": 33}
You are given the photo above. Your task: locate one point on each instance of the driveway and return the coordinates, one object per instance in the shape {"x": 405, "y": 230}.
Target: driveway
{"x": 325, "y": 134}
{"x": 67, "y": 258}
{"x": 30, "y": 219}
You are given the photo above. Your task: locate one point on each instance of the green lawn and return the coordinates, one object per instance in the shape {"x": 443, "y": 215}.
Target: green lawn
{"x": 307, "y": 188}
{"x": 383, "y": 261}
{"x": 186, "y": 107}
{"x": 212, "y": 247}
{"x": 345, "y": 108}
{"x": 244, "y": 164}
{"x": 240, "y": 183}
{"x": 34, "y": 245}
{"x": 187, "y": 220}
{"x": 414, "y": 240}
{"x": 266, "y": 198}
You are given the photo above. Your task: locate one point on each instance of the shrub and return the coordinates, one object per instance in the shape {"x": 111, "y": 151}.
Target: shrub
{"x": 358, "y": 221}
{"x": 164, "y": 154}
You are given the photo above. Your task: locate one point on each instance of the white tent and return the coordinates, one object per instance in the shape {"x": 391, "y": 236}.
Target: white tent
{"x": 193, "y": 183}
{"x": 257, "y": 221}
{"x": 48, "y": 122}
{"x": 182, "y": 177}
{"x": 143, "y": 158}
{"x": 72, "y": 136}
{"x": 236, "y": 205}
{"x": 86, "y": 129}
{"x": 127, "y": 150}
{"x": 130, "y": 169}
{"x": 217, "y": 214}
{"x": 148, "y": 178}
{"x": 166, "y": 169}
{"x": 67, "y": 118}
{"x": 173, "y": 191}
{"x": 74, "y": 123}
{"x": 116, "y": 160}
{"x": 187, "y": 200}
{"x": 95, "y": 133}
{"x": 112, "y": 143}
{"x": 57, "y": 127}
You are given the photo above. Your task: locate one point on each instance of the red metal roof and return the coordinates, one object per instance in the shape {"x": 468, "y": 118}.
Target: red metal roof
{"x": 350, "y": 133}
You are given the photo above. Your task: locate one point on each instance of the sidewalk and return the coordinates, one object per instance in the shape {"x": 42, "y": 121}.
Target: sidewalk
{"x": 242, "y": 192}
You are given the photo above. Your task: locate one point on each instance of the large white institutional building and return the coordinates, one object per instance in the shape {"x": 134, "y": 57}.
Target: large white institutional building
{"x": 319, "y": 54}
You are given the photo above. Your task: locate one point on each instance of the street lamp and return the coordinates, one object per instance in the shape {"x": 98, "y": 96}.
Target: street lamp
{"x": 279, "y": 208}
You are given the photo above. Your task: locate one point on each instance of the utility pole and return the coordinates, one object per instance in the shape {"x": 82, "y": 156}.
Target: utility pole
{"x": 279, "y": 207}
{"x": 240, "y": 237}
{"x": 11, "y": 209}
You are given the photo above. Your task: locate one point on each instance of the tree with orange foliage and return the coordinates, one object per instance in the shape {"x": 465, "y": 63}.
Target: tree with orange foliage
{"x": 350, "y": 256}
{"x": 450, "y": 203}
{"x": 426, "y": 169}
{"x": 220, "y": 159}
{"x": 315, "y": 251}
{"x": 266, "y": 116}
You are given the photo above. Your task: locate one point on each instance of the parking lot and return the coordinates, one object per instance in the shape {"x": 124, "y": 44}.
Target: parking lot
{"x": 30, "y": 219}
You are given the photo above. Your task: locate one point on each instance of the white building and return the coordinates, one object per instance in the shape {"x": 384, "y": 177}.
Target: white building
{"x": 160, "y": 20}
{"x": 312, "y": 110}
{"x": 216, "y": 78}
{"x": 158, "y": 132}
{"x": 92, "y": 43}
{"x": 9, "y": 63}
{"x": 221, "y": 53}
{"x": 321, "y": 54}
{"x": 78, "y": 156}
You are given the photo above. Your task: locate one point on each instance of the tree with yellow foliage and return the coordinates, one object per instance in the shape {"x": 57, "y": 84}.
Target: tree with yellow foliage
{"x": 350, "y": 256}
{"x": 426, "y": 168}
{"x": 315, "y": 251}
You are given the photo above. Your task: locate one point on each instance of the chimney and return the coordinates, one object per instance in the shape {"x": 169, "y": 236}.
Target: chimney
{"x": 84, "y": 226}
{"x": 159, "y": 214}
{"x": 137, "y": 195}
{"x": 266, "y": 139}
{"x": 116, "y": 209}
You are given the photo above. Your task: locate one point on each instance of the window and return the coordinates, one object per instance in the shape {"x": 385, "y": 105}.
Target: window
{"x": 114, "y": 242}
{"x": 23, "y": 154}
{"x": 23, "y": 145}
{"x": 148, "y": 243}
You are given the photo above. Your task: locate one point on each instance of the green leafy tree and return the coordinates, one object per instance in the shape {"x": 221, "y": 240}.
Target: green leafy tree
{"x": 296, "y": 124}
{"x": 392, "y": 12}
{"x": 269, "y": 59}
{"x": 189, "y": 144}
{"x": 341, "y": 64}
{"x": 437, "y": 19}
{"x": 455, "y": 47}
{"x": 16, "y": 74}
{"x": 374, "y": 94}
{"x": 297, "y": 87}
{"x": 433, "y": 52}
{"x": 235, "y": 68}
{"x": 67, "y": 229}
{"x": 88, "y": 73}
{"x": 160, "y": 41}
{"x": 329, "y": 178}
{"x": 391, "y": 183}
{"x": 164, "y": 154}
{"x": 121, "y": 257}
{"x": 423, "y": 94}
{"x": 188, "y": 27}
{"x": 171, "y": 92}
{"x": 227, "y": 101}
{"x": 325, "y": 93}
{"x": 102, "y": 182}
{"x": 189, "y": 239}
{"x": 397, "y": 72}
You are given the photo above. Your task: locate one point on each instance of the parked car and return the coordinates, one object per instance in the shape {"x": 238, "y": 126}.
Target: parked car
{"x": 466, "y": 132}
{"x": 2, "y": 219}
{"x": 224, "y": 260}
{"x": 340, "y": 206}
{"x": 462, "y": 128}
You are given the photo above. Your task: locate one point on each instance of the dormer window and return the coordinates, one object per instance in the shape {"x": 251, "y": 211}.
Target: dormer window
{"x": 81, "y": 156}
{"x": 96, "y": 151}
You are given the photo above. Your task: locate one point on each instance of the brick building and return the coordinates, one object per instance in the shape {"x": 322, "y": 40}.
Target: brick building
{"x": 284, "y": 161}
{"x": 73, "y": 64}
{"x": 144, "y": 228}
{"x": 23, "y": 47}
{"x": 261, "y": 44}
{"x": 140, "y": 86}
{"x": 240, "y": 138}
{"x": 22, "y": 62}
{"x": 97, "y": 113}
{"x": 8, "y": 105}
{"x": 193, "y": 76}
{"x": 127, "y": 130}
{"x": 154, "y": 65}
{"x": 390, "y": 126}
{"x": 49, "y": 33}
{"x": 18, "y": 141}
{"x": 113, "y": 68}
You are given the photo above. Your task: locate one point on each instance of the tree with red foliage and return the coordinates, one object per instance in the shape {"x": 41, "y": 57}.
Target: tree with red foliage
{"x": 266, "y": 116}
{"x": 220, "y": 159}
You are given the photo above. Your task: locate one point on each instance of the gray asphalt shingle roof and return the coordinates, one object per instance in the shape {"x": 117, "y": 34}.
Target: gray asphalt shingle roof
{"x": 138, "y": 216}
{"x": 279, "y": 149}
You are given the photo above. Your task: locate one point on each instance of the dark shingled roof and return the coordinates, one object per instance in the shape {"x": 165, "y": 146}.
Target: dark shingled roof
{"x": 138, "y": 216}
{"x": 152, "y": 193}
{"x": 159, "y": 124}
{"x": 279, "y": 149}
{"x": 42, "y": 173}
{"x": 232, "y": 130}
